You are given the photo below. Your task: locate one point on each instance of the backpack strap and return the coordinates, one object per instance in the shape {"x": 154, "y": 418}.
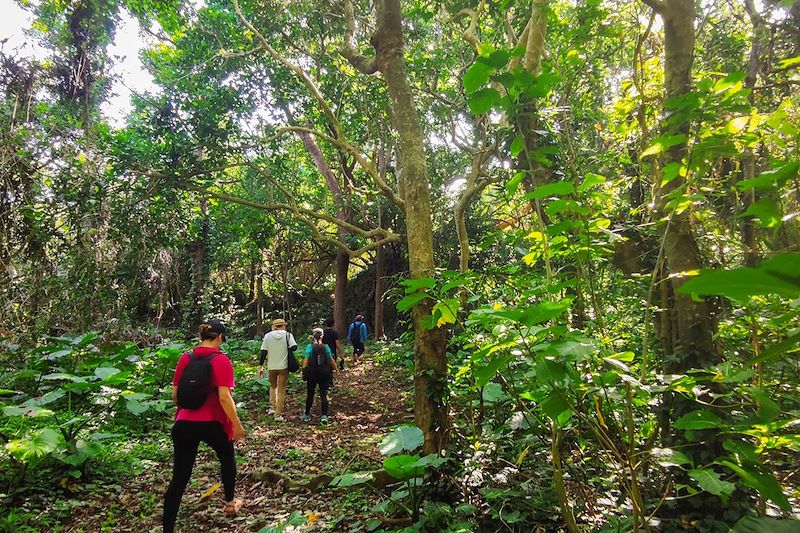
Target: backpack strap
{"x": 191, "y": 354}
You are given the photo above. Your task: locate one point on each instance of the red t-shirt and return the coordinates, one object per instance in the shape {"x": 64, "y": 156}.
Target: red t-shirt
{"x": 221, "y": 376}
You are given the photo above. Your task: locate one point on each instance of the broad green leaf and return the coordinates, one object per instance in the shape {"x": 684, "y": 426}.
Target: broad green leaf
{"x": 35, "y": 445}
{"x": 743, "y": 452}
{"x": 777, "y": 351}
{"x": 671, "y": 171}
{"x": 662, "y": 144}
{"x": 410, "y": 300}
{"x": 739, "y": 284}
{"x": 513, "y": 183}
{"x": 432, "y": 460}
{"x": 517, "y": 146}
{"x": 768, "y": 409}
{"x": 493, "y": 393}
{"x": 732, "y": 80}
{"x": 352, "y": 479}
{"x": 559, "y": 188}
{"x": 476, "y": 76}
{"x": 752, "y": 524}
{"x": 498, "y": 59}
{"x": 106, "y": 372}
{"x": 413, "y": 285}
{"x": 700, "y": 419}
{"x": 710, "y": 481}
{"x": 445, "y": 311}
{"x": 485, "y": 374}
{"x": 761, "y": 480}
{"x": 667, "y": 457}
{"x": 551, "y": 372}
{"x": 136, "y": 407}
{"x": 404, "y": 438}
{"x": 735, "y": 125}
{"x": 555, "y": 406}
{"x": 770, "y": 179}
{"x": 32, "y": 411}
{"x": 542, "y": 313}
{"x": 784, "y": 64}
{"x": 766, "y": 212}
{"x": 403, "y": 467}
{"x": 57, "y": 376}
{"x": 590, "y": 180}
{"x": 483, "y": 100}
{"x": 50, "y": 397}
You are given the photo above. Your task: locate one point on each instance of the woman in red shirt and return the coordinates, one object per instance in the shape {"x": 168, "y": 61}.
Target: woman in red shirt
{"x": 215, "y": 422}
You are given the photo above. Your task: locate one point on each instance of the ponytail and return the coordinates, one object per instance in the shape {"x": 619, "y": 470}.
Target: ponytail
{"x": 206, "y": 332}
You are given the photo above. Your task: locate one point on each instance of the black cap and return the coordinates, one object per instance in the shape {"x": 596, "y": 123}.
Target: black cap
{"x": 217, "y": 327}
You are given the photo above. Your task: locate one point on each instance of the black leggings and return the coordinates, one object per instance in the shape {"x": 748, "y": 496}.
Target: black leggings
{"x": 186, "y": 436}
{"x": 323, "y": 380}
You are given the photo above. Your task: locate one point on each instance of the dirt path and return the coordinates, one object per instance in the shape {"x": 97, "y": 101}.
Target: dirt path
{"x": 365, "y": 402}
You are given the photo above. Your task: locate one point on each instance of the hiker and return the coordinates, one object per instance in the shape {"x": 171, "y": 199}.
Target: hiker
{"x": 331, "y": 338}
{"x": 201, "y": 388}
{"x": 318, "y": 365}
{"x": 357, "y": 333}
{"x": 275, "y": 348}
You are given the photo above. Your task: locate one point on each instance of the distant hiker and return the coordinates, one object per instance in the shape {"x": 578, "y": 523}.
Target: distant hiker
{"x": 331, "y": 338}
{"x": 357, "y": 333}
{"x": 318, "y": 365}
{"x": 275, "y": 349}
{"x": 201, "y": 388}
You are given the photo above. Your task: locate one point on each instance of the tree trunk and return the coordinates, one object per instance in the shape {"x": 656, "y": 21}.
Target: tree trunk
{"x": 380, "y": 268}
{"x": 748, "y": 161}
{"x": 430, "y": 377}
{"x": 694, "y": 321}
{"x": 200, "y": 269}
{"x": 260, "y": 303}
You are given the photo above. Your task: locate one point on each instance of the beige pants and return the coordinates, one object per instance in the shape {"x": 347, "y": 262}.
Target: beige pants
{"x": 277, "y": 389}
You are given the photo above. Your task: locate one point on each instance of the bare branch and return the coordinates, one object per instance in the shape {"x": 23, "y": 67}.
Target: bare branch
{"x": 365, "y": 64}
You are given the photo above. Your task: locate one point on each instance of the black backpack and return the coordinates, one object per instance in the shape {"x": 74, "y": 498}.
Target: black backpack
{"x": 319, "y": 358}
{"x": 195, "y": 384}
{"x": 355, "y": 333}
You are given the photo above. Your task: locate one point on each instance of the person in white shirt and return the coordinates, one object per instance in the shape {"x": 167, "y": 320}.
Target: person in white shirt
{"x": 275, "y": 349}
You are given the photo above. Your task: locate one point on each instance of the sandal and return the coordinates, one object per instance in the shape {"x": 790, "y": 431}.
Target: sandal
{"x": 233, "y": 508}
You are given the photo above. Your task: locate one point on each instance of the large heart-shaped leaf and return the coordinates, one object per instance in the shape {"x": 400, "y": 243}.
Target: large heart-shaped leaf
{"x": 404, "y": 438}
{"x": 34, "y": 445}
{"x": 403, "y": 467}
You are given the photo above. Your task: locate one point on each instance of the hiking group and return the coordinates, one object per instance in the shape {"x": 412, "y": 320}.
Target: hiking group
{"x": 206, "y": 412}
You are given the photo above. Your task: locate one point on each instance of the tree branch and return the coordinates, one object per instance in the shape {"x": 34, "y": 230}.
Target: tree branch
{"x": 306, "y": 216}
{"x": 363, "y": 161}
{"x": 365, "y": 64}
{"x": 300, "y": 73}
{"x": 471, "y": 33}
{"x": 657, "y": 5}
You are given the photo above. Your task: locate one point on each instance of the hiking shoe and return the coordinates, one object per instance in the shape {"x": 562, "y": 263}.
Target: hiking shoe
{"x": 306, "y": 418}
{"x": 324, "y": 419}
{"x": 232, "y": 508}
{"x": 278, "y": 418}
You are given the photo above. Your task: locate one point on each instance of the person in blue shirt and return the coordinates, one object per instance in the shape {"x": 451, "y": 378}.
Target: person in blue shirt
{"x": 357, "y": 333}
{"x": 318, "y": 366}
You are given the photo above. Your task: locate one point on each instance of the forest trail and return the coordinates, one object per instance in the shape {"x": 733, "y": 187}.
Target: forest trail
{"x": 366, "y": 401}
